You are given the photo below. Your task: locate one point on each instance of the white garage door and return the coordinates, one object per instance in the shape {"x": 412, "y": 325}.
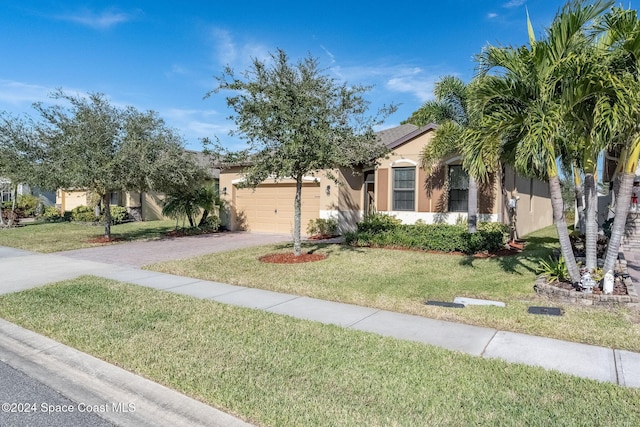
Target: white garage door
{"x": 269, "y": 208}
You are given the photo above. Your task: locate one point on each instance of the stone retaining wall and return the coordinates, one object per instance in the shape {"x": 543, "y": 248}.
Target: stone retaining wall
{"x": 574, "y": 297}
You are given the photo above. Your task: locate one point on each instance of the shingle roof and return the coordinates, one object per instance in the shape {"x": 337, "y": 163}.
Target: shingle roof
{"x": 398, "y": 135}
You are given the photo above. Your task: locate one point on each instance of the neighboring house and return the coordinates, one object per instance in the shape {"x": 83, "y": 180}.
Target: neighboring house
{"x": 46, "y": 197}
{"x": 397, "y": 186}
{"x": 146, "y": 206}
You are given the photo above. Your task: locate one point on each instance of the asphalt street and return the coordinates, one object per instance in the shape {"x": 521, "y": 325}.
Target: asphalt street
{"x": 27, "y": 402}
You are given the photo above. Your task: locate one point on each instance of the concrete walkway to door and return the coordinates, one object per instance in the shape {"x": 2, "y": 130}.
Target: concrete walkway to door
{"x": 137, "y": 254}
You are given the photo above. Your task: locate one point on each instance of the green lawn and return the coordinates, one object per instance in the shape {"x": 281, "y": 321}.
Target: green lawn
{"x": 55, "y": 237}
{"x": 403, "y": 280}
{"x": 278, "y": 371}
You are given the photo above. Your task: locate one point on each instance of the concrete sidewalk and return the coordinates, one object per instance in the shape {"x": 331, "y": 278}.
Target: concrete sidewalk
{"x": 22, "y": 270}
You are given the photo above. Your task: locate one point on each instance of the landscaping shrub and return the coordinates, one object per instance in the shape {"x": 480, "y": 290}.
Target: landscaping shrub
{"x": 377, "y": 222}
{"x": 323, "y": 227}
{"x": 119, "y": 215}
{"x": 52, "y": 214}
{"x": 212, "y": 222}
{"x": 437, "y": 237}
{"x": 28, "y": 204}
{"x": 83, "y": 214}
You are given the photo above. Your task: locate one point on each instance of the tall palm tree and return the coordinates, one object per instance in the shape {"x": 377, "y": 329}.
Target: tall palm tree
{"x": 622, "y": 42}
{"x": 524, "y": 104}
{"x": 450, "y": 110}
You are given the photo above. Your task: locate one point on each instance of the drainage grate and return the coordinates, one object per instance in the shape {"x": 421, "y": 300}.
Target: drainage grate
{"x": 445, "y": 304}
{"x": 549, "y": 311}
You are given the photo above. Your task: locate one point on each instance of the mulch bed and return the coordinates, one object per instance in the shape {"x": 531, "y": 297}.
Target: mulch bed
{"x": 290, "y": 258}
{"x": 103, "y": 239}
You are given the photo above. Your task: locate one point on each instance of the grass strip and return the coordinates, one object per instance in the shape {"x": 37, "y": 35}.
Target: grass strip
{"x": 402, "y": 281}
{"x": 276, "y": 370}
{"x": 56, "y": 237}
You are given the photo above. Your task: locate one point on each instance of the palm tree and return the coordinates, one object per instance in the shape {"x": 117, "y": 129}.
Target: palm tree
{"x": 622, "y": 42}
{"x": 450, "y": 110}
{"x": 525, "y": 103}
{"x": 188, "y": 203}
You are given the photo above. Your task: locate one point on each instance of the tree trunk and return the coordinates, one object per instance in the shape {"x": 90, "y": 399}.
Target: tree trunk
{"x": 106, "y": 203}
{"x": 205, "y": 215}
{"x": 591, "y": 221}
{"x": 12, "y": 214}
{"x": 557, "y": 205}
{"x": 1, "y": 217}
{"x": 297, "y": 218}
{"x": 472, "y": 209}
{"x": 623, "y": 200}
{"x": 577, "y": 189}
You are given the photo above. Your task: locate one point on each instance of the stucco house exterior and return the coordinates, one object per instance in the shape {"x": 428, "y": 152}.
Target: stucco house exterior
{"x": 397, "y": 185}
{"x": 145, "y": 206}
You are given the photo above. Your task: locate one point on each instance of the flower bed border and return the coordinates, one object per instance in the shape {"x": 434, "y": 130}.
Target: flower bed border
{"x": 574, "y": 297}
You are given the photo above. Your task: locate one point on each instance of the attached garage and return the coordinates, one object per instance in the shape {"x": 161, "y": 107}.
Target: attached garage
{"x": 269, "y": 208}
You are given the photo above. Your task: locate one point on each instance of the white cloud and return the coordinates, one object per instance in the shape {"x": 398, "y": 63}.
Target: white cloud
{"x": 195, "y": 124}
{"x": 227, "y": 51}
{"x": 16, "y": 93}
{"x": 492, "y": 15}
{"x": 514, "y": 3}
{"x": 100, "y": 21}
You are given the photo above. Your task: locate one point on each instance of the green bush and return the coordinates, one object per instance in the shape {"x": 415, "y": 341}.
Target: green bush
{"x": 377, "y": 222}
{"x": 83, "y": 214}
{"x": 323, "y": 227}
{"x": 52, "y": 214}
{"x": 28, "y": 204}
{"x": 119, "y": 215}
{"x": 437, "y": 237}
{"x": 554, "y": 269}
{"x": 211, "y": 223}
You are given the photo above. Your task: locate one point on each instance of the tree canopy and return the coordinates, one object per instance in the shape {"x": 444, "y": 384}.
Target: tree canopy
{"x": 93, "y": 145}
{"x": 297, "y": 120}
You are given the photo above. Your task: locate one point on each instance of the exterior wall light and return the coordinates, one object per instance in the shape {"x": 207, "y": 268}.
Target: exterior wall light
{"x": 328, "y": 190}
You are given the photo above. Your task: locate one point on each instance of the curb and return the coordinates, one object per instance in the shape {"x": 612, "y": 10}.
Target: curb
{"x": 124, "y": 399}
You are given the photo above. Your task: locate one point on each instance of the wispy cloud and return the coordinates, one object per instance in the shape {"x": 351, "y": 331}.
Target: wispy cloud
{"x": 514, "y": 3}
{"x": 228, "y": 51}
{"x": 196, "y": 124}
{"x": 17, "y": 93}
{"x": 401, "y": 78}
{"x": 98, "y": 20}
{"x": 492, "y": 15}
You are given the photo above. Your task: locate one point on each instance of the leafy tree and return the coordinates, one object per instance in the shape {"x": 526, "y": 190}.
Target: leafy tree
{"x": 297, "y": 120}
{"x": 450, "y": 110}
{"x": 22, "y": 157}
{"x": 96, "y": 146}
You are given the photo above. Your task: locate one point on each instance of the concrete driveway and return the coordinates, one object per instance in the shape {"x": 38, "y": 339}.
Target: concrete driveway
{"x": 137, "y": 254}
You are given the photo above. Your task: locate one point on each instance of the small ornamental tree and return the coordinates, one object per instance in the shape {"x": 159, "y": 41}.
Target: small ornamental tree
{"x": 297, "y": 120}
{"x": 95, "y": 146}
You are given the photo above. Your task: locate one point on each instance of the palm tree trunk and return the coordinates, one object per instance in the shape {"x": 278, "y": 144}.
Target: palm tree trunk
{"x": 106, "y": 203}
{"x": 620, "y": 220}
{"x": 557, "y": 205}
{"x": 472, "y": 209}
{"x": 577, "y": 189}
{"x": 591, "y": 221}
{"x": 297, "y": 218}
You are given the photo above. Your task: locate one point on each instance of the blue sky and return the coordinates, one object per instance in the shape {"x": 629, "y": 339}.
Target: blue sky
{"x": 163, "y": 56}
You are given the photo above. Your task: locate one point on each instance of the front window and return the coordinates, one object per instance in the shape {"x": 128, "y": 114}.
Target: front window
{"x": 458, "y": 189}
{"x": 404, "y": 189}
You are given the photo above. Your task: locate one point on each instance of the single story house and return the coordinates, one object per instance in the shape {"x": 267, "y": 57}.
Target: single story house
{"x": 397, "y": 186}
{"x": 145, "y": 206}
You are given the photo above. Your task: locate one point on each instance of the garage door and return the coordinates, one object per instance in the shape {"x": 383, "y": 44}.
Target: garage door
{"x": 270, "y": 207}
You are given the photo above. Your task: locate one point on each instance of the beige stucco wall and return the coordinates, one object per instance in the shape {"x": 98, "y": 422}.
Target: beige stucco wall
{"x": 69, "y": 199}
{"x": 341, "y": 200}
{"x": 533, "y": 209}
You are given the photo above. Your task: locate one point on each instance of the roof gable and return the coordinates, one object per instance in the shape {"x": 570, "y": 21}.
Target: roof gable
{"x": 399, "y": 135}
